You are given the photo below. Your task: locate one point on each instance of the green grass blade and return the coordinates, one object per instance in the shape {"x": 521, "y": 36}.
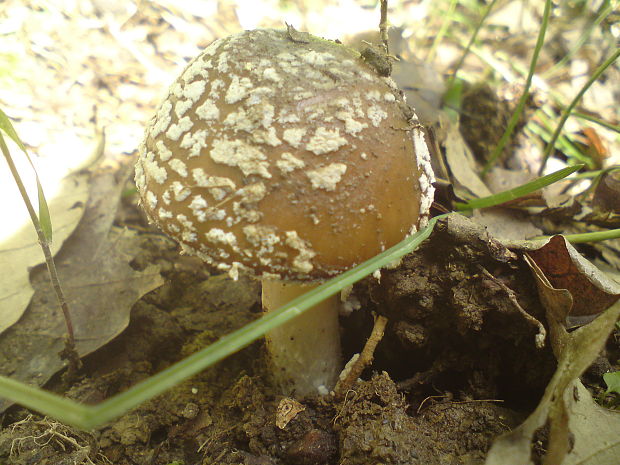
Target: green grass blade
{"x": 44, "y": 213}
{"x": 88, "y": 417}
{"x": 519, "y": 191}
{"x": 472, "y": 39}
{"x": 605, "y": 10}
{"x": 594, "y": 119}
{"x": 7, "y": 127}
{"x": 593, "y": 236}
{"x": 542, "y": 126}
{"x": 44, "y": 220}
{"x": 514, "y": 118}
{"x": 600, "y": 70}
{"x": 53, "y": 405}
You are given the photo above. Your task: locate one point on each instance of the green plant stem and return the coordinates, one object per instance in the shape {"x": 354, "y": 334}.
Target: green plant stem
{"x": 88, "y": 417}
{"x": 584, "y": 238}
{"x": 594, "y": 119}
{"x": 472, "y": 39}
{"x": 593, "y": 236}
{"x": 442, "y": 31}
{"x": 519, "y": 191}
{"x": 569, "y": 108}
{"x": 524, "y": 96}
{"x": 49, "y": 260}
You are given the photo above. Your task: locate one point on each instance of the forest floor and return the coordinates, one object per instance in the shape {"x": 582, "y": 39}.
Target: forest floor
{"x": 460, "y": 363}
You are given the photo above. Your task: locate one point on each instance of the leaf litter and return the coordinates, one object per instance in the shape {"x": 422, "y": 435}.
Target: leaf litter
{"x": 99, "y": 284}
{"x": 578, "y": 430}
{"x": 21, "y": 251}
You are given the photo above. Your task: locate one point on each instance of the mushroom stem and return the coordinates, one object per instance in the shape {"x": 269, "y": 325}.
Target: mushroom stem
{"x": 304, "y": 352}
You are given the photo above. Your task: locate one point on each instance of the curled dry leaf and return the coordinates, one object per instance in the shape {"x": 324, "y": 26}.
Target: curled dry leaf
{"x": 503, "y": 223}
{"x": 566, "y": 281}
{"x": 591, "y": 290}
{"x": 607, "y": 193}
{"x": 461, "y": 162}
{"x": 288, "y": 409}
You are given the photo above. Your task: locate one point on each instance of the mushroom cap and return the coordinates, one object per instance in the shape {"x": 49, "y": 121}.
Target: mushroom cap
{"x": 290, "y": 158}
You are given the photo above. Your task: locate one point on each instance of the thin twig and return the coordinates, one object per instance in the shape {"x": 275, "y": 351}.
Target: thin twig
{"x": 365, "y": 357}
{"x": 383, "y": 26}
{"x": 542, "y": 332}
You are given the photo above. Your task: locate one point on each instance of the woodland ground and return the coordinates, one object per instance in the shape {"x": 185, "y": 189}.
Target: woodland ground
{"x": 458, "y": 365}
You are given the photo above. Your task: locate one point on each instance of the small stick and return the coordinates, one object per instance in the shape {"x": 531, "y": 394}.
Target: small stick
{"x": 383, "y": 25}
{"x": 364, "y": 359}
{"x": 542, "y": 332}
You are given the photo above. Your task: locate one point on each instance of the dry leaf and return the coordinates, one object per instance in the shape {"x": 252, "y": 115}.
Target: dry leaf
{"x": 100, "y": 288}
{"x": 503, "y": 223}
{"x": 591, "y": 290}
{"x": 565, "y": 399}
{"x": 462, "y": 164}
{"x": 287, "y": 410}
{"x": 22, "y": 251}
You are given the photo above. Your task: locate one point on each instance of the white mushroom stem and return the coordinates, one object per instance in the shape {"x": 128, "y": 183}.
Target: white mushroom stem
{"x": 305, "y": 351}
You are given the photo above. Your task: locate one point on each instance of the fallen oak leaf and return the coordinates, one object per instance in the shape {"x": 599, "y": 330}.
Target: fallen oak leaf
{"x": 565, "y": 268}
{"x": 22, "y": 251}
{"x": 99, "y": 284}
{"x": 560, "y": 406}
{"x": 574, "y": 351}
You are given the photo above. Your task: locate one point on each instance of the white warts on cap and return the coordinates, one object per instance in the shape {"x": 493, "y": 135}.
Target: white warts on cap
{"x": 327, "y": 177}
{"x": 264, "y": 155}
{"x": 208, "y": 110}
{"x": 238, "y": 89}
{"x": 301, "y": 263}
{"x": 178, "y": 166}
{"x": 293, "y": 136}
{"x": 249, "y": 159}
{"x": 325, "y": 140}
{"x": 288, "y": 162}
{"x": 178, "y": 129}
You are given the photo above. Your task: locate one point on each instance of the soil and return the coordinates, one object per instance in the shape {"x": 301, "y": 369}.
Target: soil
{"x": 457, "y": 367}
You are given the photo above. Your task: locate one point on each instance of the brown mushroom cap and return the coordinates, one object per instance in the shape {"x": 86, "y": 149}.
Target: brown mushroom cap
{"x": 292, "y": 159}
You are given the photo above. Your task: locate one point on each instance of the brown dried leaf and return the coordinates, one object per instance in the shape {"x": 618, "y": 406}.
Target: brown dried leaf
{"x": 99, "y": 285}
{"x": 607, "y": 193}
{"x": 22, "y": 251}
{"x": 564, "y": 402}
{"x": 462, "y": 164}
{"x": 591, "y": 291}
{"x": 503, "y": 223}
{"x": 565, "y": 399}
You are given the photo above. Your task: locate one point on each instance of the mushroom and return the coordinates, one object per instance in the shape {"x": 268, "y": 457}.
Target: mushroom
{"x": 294, "y": 161}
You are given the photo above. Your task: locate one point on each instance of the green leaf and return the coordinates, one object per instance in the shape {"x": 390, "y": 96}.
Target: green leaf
{"x": 452, "y": 99}
{"x": 6, "y": 126}
{"x": 44, "y": 218}
{"x": 520, "y": 191}
{"x": 596, "y": 236}
{"x": 44, "y": 213}
{"x": 612, "y": 380}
